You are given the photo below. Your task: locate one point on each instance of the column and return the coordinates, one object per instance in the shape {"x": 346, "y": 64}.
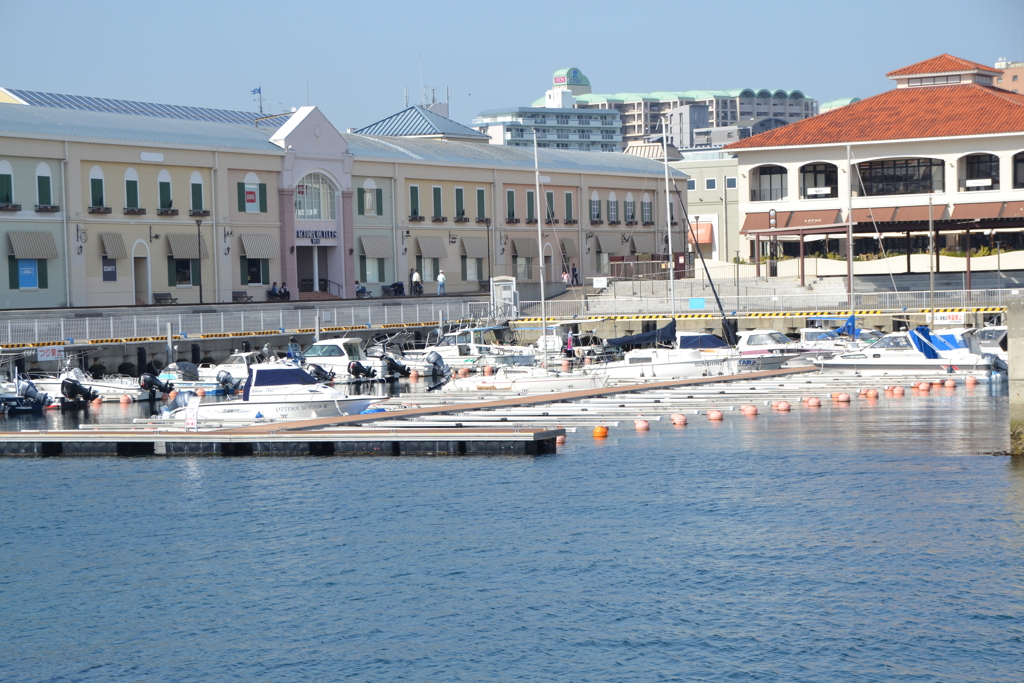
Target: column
{"x": 316, "y": 268}
{"x": 286, "y": 210}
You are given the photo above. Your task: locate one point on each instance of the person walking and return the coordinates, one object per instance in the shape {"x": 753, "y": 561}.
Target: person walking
{"x": 440, "y": 283}
{"x": 565, "y": 278}
{"x": 417, "y": 282}
{"x": 575, "y": 276}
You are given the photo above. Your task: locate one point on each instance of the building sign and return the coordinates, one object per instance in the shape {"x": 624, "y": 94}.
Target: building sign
{"x": 980, "y": 182}
{"x": 946, "y": 318}
{"x": 49, "y": 353}
{"x": 559, "y": 80}
{"x": 252, "y": 198}
{"x": 316, "y": 237}
{"x": 819, "y": 190}
{"x": 109, "y": 270}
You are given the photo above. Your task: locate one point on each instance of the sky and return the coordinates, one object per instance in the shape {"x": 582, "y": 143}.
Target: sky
{"x": 354, "y": 60}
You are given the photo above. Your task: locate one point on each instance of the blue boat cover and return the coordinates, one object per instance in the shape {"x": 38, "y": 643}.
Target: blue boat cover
{"x": 701, "y": 341}
{"x": 273, "y": 377}
{"x": 664, "y": 335}
{"x": 922, "y": 338}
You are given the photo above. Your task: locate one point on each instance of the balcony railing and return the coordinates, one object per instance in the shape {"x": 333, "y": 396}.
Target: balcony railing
{"x": 767, "y": 195}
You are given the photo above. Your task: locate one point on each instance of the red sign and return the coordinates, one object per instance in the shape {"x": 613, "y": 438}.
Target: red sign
{"x": 250, "y": 197}
{"x": 559, "y": 79}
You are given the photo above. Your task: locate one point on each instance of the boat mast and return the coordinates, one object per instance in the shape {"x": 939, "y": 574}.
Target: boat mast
{"x": 540, "y": 247}
{"x": 668, "y": 224}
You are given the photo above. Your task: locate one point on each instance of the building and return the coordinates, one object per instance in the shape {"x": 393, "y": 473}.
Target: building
{"x": 1012, "y": 76}
{"x": 713, "y": 197}
{"x": 557, "y": 127}
{"x": 835, "y": 104}
{"x": 945, "y": 144}
{"x": 424, "y": 122}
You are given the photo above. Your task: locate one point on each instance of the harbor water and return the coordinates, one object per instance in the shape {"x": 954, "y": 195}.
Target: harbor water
{"x": 871, "y": 541}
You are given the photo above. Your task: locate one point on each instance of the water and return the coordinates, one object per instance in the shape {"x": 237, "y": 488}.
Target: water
{"x": 872, "y": 542}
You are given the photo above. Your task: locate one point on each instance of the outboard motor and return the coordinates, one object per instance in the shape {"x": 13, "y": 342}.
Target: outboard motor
{"x": 229, "y": 383}
{"x": 73, "y": 390}
{"x": 997, "y": 362}
{"x": 180, "y": 401}
{"x": 151, "y": 383}
{"x": 394, "y": 368}
{"x": 357, "y": 370}
{"x": 28, "y": 391}
{"x": 440, "y": 368}
{"x": 319, "y": 374}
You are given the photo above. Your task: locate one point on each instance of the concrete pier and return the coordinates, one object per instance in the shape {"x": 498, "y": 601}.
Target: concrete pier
{"x": 1015, "y": 340}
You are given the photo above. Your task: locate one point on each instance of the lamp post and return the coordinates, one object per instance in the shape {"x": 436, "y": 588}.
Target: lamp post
{"x": 999, "y": 262}
{"x": 199, "y": 255}
{"x": 737, "y": 272}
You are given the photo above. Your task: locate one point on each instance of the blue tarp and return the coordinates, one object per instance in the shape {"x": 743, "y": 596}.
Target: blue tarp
{"x": 922, "y": 338}
{"x": 701, "y": 341}
{"x": 664, "y": 335}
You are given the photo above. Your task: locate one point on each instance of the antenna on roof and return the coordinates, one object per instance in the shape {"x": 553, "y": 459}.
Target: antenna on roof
{"x": 433, "y": 95}
{"x": 406, "y": 97}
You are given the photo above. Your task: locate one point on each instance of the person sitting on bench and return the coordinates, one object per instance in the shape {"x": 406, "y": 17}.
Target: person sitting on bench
{"x": 360, "y": 290}
{"x": 284, "y": 292}
{"x": 273, "y": 291}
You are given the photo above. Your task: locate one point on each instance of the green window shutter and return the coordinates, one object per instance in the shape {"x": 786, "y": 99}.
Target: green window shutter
{"x": 437, "y": 202}
{"x": 96, "y": 184}
{"x": 672, "y": 211}
{"x": 362, "y": 268}
{"x": 263, "y": 197}
{"x": 241, "y": 197}
{"x": 361, "y": 202}
{"x": 481, "y": 196}
{"x": 243, "y": 266}
{"x": 419, "y": 265}
{"x": 171, "y": 279}
{"x": 529, "y": 206}
{"x": 44, "y": 280}
{"x": 43, "y": 185}
{"x": 165, "y": 195}
{"x": 510, "y": 201}
{"x": 265, "y": 270}
{"x": 480, "y": 268}
{"x": 6, "y": 189}
{"x": 551, "y": 206}
{"x": 414, "y": 201}
{"x": 131, "y": 192}
{"x": 460, "y": 202}
{"x": 12, "y": 272}
{"x": 197, "y": 274}
{"x": 378, "y": 194}
{"x": 568, "y": 206}
{"x": 197, "y": 196}
{"x": 464, "y": 269}
{"x": 381, "y": 274}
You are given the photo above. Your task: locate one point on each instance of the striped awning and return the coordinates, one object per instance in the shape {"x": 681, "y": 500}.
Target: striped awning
{"x": 432, "y": 247}
{"x": 476, "y": 247}
{"x": 608, "y": 244}
{"x": 644, "y": 244}
{"x": 113, "y": 245}
{"x": 183, "y": 246}
{"x": 526, "y": 247}
{"x": 33, "y": 245}
{"x": 259, "y": 246}
{"x": 376, "y": 247}
{"x": 569, "y": 247}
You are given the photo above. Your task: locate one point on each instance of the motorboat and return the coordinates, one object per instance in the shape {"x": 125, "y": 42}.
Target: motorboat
{"x": 714, "y": 348}
{"x": 348, "y": 361}
{"x": 471, "y": 347}
{"x": 659, "y": 358}
{"x": 277, "y": 391}
{"x": 909, "y": 352}
{"x": 110, "y": 388}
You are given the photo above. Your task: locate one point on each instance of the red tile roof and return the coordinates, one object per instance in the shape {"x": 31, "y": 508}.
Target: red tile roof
{"x": 941, "y": 64}
{"x": 901, "y": 114}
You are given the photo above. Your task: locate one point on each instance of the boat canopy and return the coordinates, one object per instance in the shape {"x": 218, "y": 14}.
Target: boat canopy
{"x": 701, "y": 341}
{"x": 272, "y": 377}
{"x": 663, "y": 335}
{"x": 922, "y": 338}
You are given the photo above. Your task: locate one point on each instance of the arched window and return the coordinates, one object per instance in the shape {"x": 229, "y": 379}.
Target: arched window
{"x": 819, "y": 181}
{"x": 1018, "y": 170}
{"x": 44, "y": 185}
{"x": 370, "y": 199}
{"x": 163, "y": 180}
{"x": 630, "y": 209}
{"x": 595, "y": 207}
{"x": 96, "y": 195}
{"x": 899, "y": 176}
{"x": 979, "y": 172}
{"x": 196, "y": 183}
{"x": 768, "y": 183}
{"x": 314, "y": 198}
{"x": 131, "y": 189}
{"x": 613, "y": 209}
{"x": 646, "y": 210}
{"x": 6, "y": 182}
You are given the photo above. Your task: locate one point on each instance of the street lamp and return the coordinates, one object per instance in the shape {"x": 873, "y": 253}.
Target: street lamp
{"x": 199, "y": 254}
{"x": 737, "y": 272}
{"x": 999, "y": 262}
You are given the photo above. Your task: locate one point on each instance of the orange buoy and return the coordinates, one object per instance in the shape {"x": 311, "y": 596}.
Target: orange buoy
{"x": 898, "y": 391}
{"x": 679, "y": 419}
{"x": 560, "y": 438}
{"x": 872, "y": 393}
{"x": 126, "y": 399}
{"x": 600, "y": 432}
{"x": 488, "y": 370}
{"x": 749, "y": 409}
{"x": 835, "y": 394}
{"x": 200, "y": 392}
{"x": 715, "y": 415}
{"x": 775, "y": 404}
{"x": 784, "y": 406}
{"x": 566, "y": 365}
{"x": 924, "y": 386}
{"x": 951, "y": 384}
{"x": 641, "y": 425}
{"x": 814, "y": 402}
{"x": 843, "y": 398}
{"x": 971, "y": 380}
{"x": 98, "y": 400}
{"x": 863, "y": 390}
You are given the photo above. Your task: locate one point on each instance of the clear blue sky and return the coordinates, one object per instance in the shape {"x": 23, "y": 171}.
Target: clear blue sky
{"x": 356, "y": 58}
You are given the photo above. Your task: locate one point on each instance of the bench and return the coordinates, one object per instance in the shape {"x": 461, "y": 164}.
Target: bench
{"x": 485, "y": 285}
{"x": 160, "y": 298}
{"x": 278, "y": 297}
{"x": 240, "y": 296}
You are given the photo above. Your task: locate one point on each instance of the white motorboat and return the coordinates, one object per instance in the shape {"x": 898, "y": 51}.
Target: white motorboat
{"x": 528, "y": 380}
{"x": 346, "y": 358}
{"x": 907, "y": 352}
{"x": 472, "y": 347}
{"x": 278, "y": 391}
{"x": 110, "y": 388}
{"x": 713, "y": 348}
{"x": 662, "y": 364}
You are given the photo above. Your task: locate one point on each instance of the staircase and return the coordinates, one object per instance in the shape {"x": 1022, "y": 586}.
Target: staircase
{"x": 317, "y": 296}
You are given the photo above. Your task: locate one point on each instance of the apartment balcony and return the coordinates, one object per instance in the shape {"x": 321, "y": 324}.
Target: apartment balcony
{"x": 10, "y": 207}
{"x": 47, "y": 208}
{"x": 134, "y": 211}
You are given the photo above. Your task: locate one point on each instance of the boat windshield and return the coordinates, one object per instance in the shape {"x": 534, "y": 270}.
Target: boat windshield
{"x": 272, "y": 377}
{"x": 870, "y": 335}
{"x": 321, "y": 350}
{"x": 767, "y": 339}
{"x": 235, "y": 360}
{"x": 819, "y": 335}
{"x": 893, "y": 341}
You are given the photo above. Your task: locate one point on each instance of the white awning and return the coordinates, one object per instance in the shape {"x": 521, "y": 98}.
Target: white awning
{"x": 113, "y": 245}
{"x": 432, "y": 247}
{"x": 259, "y": 246}
{"x": 33, "y": 245}
{"x": 644, "y": 244}
{"x": 569, "y": 247}
{"x": 526, "y": 247}
{"x": 183, "y": 246}
{"x": 376, "y": 247}
{"x": 476, "y": 247}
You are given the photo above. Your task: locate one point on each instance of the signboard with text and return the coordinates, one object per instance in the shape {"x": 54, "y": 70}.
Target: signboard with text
{"x": 45, "y": 353}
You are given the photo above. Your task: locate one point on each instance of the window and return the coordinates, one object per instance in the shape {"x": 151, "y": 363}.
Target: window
{"x": 164, "y": 183}
{"x": 933, "y": 80}
{"x": 568, "y": 206}
{"x": 44, "y": 191}
{"x": 691, "y": 184}
{"x": 646, "y": 210}
{"x": 460, "y": 202}
{"x": 613, "y": 210}
{"x": 982, "y": 173}
{"x": 184, "y": 272}
{"x": 550, "y": 197}
{"x": 196, "y": 183}
{"x": 314, "y": 198}
{"x": 901, "y": 176}
{"x": 523, "y": 266}
{"x": 437, "y": 202}
{"x": 531, "y": 214}
{"x": 630, "y": 209}
{"x": 730, "y": 183}
{"x": 768, "y": 183}
{"x": 96, "y": 186}
{"x": 370, "y": 199}
{"x": 1018, "y": 170}
{"x": 6, "y": 183}
{"x": 27, "y": 273}
{"x": 255, "y": 271}
{"x": 414, "y": 200}
{"x": 131, "y": 189}
{"x": 595, "y": 208}
{"x": 252, "y": 195}
{"x": 710, "y": 183}
{"x": 819, "y": 181}
{"x": 371, "y": 270}
{"x": 481, "y": 203}
{"x": 428, "y": 267}
{"x": 472, "y": 268}
{"x": 562, "y": 119}
{"x": 510, "y": 204}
